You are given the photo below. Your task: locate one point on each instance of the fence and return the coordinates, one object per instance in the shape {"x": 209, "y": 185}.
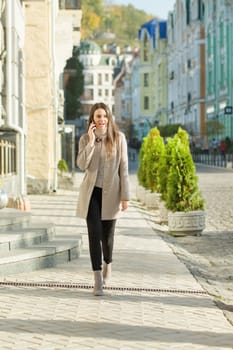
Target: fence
{"x": 7, "y": 158}
{"x": 214, "y": 159}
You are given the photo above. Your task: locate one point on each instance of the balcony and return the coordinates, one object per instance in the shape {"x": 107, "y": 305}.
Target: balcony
{"x": 70, "y": 4}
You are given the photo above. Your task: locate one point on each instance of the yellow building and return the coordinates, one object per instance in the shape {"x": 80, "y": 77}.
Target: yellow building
{"x": 153, "y": 71}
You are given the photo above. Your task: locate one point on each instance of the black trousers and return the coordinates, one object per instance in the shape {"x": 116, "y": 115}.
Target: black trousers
{"x": 100, "y": 232}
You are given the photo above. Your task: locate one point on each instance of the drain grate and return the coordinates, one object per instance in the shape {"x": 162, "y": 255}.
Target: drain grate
{"x": 87, "y": 286}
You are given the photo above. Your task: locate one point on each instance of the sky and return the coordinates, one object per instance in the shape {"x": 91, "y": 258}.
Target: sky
{"x": 158, "y": 8}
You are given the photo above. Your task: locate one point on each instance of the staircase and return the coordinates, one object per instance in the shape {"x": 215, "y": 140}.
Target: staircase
{"x": 27, "y": 246}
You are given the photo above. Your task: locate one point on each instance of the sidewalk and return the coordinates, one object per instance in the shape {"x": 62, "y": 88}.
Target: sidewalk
{"x": 152, "y": 302}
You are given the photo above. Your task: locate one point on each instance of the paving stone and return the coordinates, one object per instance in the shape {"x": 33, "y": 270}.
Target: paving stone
{"x": 171, "y": 315}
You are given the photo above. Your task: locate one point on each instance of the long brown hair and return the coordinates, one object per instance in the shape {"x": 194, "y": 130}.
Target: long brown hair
{"x": 112, "y": 136}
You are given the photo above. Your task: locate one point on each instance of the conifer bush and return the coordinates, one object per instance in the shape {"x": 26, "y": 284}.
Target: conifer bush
{"x": 150, "y": 153}
{"x": 154, "y": 152}
{"x": 164, "y": 166}
{"x": 183, "y": 193}
{"x": 141, "y": 174}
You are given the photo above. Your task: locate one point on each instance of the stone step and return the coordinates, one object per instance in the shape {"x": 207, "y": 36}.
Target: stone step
{"x": 40, "y": 256}
{"x": 25, "y": 237}
{"x": 26, "y": 245}
{"x": 10, "y": 218}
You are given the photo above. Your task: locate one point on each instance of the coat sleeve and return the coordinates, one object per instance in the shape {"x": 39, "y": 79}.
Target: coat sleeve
{"x": 85, "y": 153}
{"x": 123, "y": 169}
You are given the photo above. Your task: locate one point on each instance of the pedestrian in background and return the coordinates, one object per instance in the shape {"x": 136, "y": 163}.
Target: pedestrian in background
{"x": 222, "y": 148}
{"x": 104, "y": 190}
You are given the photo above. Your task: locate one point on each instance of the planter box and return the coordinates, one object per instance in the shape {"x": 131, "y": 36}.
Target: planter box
{"x": 141, "y": 193}
{"x": 163, "y": 212}
{"x": 186, "y": 223}
{"x": 152, "y": 200}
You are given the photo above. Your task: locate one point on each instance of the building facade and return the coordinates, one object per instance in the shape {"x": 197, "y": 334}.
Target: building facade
{"x": 219, "y": 65}
{"x": 12, "y": 102}
{"x": 49, "y": 32}
{"x": 147, "y": 73}
{"x": 160, "y": 68}
{"x": 186, "y": 66}
{"x": 36, "y": 39}
{"x": 98, "y": 76}
{"x": 153, "y": 71}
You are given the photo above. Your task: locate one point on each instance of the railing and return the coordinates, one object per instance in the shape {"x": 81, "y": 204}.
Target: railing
{"x": 7, "y": 158}
{"x": 214, "y": 159}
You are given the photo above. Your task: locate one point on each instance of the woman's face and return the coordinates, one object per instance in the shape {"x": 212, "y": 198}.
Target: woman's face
{"x": 100, "y": 119}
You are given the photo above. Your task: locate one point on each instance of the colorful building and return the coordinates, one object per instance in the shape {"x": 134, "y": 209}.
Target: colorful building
{"x": 153, "y": 71}
{"x": 219, "y": 66}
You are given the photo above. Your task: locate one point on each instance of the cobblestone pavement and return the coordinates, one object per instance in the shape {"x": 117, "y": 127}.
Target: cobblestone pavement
{"x": 210, "y": 256}
{"x": 153, "y": 301}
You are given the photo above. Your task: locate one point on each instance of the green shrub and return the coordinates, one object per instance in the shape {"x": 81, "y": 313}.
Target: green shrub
{"x": 164, "y": 166}
{"x": 149, "y": 157}
{"x": 62, "y": 166}
{"x": 183, "y": 193}
{"x": 154, "y": 152}
{"x": 141, "y": 174}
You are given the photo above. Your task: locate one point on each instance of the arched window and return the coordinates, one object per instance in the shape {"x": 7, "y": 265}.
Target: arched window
{"x": 145, "y": 48}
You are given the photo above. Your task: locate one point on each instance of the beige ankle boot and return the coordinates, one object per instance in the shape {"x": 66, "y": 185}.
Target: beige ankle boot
{"x": 98, "y": 286}
{"x": 107, "y": 272}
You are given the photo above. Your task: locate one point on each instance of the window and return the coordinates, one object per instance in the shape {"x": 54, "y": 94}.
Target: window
{"x": 146, "y": 102}
{"x": 222, "y": 76}
{"x": 189, "y": 98}
{"x": 146, "y": 79}
{"x": 145, "y": 49}
{"x": 221, "y": 34}
{"x": 189, "y": 64}
{"x": 88, "y": 79}
{"x": 7, "y": 157}
{"x": 70, "y": 4}
{"x": 210, "y": 82}
{"x": 99, "y": 79}
{"x": 209, "y": 45}
{"x": 187, "y": 12}
{"x": 89, "y": 94}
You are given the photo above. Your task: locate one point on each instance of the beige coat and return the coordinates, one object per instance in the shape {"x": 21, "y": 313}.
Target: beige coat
{"x": 115, "y": 181}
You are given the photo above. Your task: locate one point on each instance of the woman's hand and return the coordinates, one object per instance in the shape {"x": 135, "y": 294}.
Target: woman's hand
{"x": 91, "y": 133}
{"x": 124, "y": 205}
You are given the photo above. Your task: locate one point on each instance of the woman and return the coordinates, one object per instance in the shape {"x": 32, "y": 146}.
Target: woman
{"x": 104, "y": 190}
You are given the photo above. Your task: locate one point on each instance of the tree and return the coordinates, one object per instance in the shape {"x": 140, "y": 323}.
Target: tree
{"x": 99, "y": 17}
{"x": 74, "y": 87}
{"x": 169, "y": 130}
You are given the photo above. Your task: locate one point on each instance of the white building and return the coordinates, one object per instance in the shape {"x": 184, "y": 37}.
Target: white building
{"x": 186, "y": 66}
{"x": 98, "y": 76}
{"x": 12, "y": 103}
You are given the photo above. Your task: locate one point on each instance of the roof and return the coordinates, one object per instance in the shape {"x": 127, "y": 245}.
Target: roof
{"x": 89, "y": 47}
{"x": 150, "y": 27}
